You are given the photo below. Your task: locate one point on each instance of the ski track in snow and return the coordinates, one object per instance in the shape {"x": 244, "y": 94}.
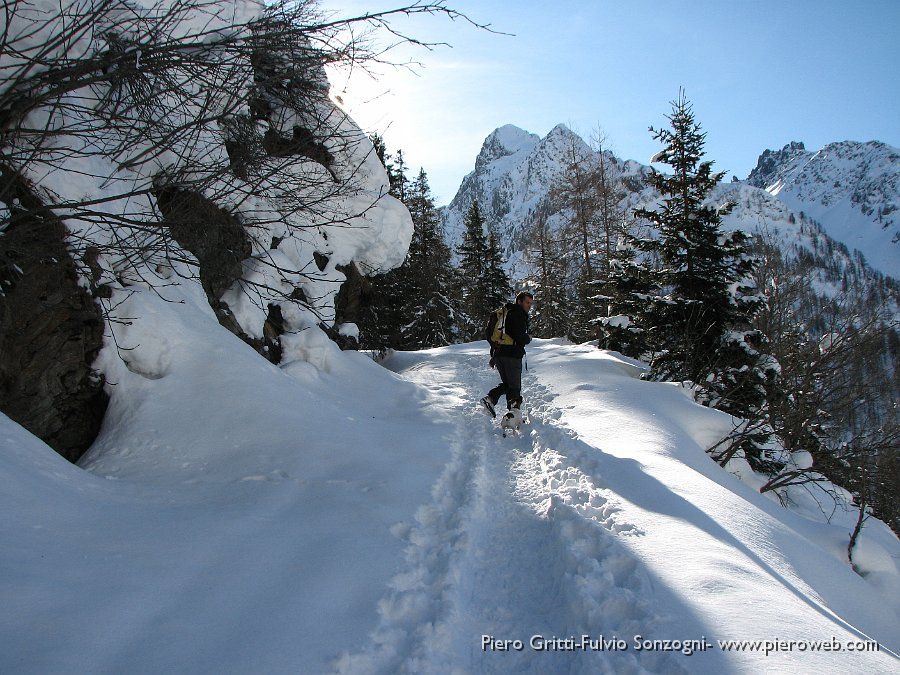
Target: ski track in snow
{"x": 520, "y": 540}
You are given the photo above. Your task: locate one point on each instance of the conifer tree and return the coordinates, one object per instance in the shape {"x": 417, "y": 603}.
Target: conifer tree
{"x": 428, "y": 308}
{"x": 704, "y": 273}
{"x": 498, "y": 288}
{"x": 631, "y": 291}
{"x": 380, "y": 147}
{"x": 475, "y": 302}
{"x": 384, "y": 316}
{"x": 700, "y": 320}
{"x": 399, "y": 182}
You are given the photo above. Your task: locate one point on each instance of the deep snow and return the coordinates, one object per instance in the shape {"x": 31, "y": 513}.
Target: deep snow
{"x": 237, "y": 517}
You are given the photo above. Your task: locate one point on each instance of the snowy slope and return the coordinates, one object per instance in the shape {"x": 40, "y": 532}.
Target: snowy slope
{"x": 234, "y": 517}
{"x": 851, "y": 188}
{"x": 239, "y": 517}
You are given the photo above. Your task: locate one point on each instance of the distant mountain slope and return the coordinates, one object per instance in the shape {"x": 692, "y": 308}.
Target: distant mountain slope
{"x": 852, "y": 189}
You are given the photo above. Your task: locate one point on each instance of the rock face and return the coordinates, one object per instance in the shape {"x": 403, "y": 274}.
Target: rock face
{"x": 220, "y": 244}
{"x": 50, "y": 330}
{"x": 771, "y": 162}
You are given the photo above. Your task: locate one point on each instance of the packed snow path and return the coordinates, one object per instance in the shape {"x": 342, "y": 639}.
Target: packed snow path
{"x": 516, "y": 544}
{"x": 527, "y": 561}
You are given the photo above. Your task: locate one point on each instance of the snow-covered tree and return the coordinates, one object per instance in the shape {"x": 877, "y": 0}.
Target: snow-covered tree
{"x": 704, "y": 271}
{"x": 630, "y": 291}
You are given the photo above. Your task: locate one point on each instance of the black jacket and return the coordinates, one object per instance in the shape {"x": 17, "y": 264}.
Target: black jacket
{"x": 517, "y": 328}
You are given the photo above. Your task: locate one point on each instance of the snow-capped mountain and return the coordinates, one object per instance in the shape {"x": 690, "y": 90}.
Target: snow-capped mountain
{"x": 852, "y": 189}
{"x": 847, "y": 193}
{"x": 514, "y": 172}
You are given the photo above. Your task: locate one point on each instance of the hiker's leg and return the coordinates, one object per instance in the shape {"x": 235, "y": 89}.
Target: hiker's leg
{"x": 512, "y": 378}
{"x": 501, "y": 388}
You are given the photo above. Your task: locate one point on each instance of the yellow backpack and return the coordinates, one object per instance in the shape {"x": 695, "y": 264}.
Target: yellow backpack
{"x": 496, "y": 327}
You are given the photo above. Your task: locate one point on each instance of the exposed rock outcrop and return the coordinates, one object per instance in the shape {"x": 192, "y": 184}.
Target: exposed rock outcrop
{"x": 51, "y": 330}
{"x": 220, "y": 244}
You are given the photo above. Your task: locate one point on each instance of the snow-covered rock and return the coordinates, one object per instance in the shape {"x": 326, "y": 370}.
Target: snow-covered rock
{"x": 237, "y": 175}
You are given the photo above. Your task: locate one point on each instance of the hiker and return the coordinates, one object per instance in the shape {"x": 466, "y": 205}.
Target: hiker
{"x": 508, "y": 339}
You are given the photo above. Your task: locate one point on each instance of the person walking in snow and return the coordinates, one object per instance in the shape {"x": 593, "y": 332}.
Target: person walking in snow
{"x": 508, "y": 333}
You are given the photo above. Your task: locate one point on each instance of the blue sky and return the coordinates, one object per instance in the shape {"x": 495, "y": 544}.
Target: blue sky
{"x": 759, "y": 74}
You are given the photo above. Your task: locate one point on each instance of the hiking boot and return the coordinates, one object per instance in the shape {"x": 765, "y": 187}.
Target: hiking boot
{"x": 489, "y": 404}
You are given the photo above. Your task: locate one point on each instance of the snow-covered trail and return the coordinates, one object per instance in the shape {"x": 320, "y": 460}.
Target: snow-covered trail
{"x": 546, "y": 537}
{"x": 518, "y": 545}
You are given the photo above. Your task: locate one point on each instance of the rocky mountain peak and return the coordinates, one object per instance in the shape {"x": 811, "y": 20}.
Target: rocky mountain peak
{"x": 503, "y": 142}
{"x": 851, "y": 188}
{"x": 770, "y": 161}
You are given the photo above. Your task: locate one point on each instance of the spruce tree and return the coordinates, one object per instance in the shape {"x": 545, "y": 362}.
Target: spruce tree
{"x": 498, "y": 288}
{"x": 700, "y": 319}
{"x": 631, "y": 291}
{"x": 428, "y": 308}
{"x": 383, "y": 316}
{"x": 398, "y": 180}
{"x": 474, "y": 289}
{"x": 704, "y": 273}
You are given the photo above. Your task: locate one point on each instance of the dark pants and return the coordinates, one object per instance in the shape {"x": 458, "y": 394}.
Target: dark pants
{"x": 510, "y": 369}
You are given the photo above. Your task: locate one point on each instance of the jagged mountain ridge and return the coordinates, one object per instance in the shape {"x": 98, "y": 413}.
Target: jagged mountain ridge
{"x": 847, "y": 192}
{"x": 852, "y": 188}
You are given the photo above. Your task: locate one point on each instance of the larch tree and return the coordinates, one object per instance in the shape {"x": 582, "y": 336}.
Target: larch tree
{"x": 552, "y": 311}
